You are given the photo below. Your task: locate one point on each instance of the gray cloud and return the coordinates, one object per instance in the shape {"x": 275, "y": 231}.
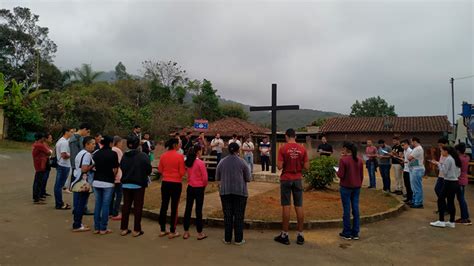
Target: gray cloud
{"x": 323, "y": 55}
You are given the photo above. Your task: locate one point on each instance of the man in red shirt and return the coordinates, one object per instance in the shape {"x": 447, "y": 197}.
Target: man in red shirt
{"x": 40, "y": 155}
{"x": 292, "y": 159}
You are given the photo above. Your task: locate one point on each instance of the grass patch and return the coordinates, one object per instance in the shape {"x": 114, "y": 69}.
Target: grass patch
{"x": 11, "y": 145}
{"x": 153, "y": 193}
{"x": 318, "y": 205}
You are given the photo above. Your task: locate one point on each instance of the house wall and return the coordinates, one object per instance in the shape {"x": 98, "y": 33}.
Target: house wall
{"x": 429, "y": 141}
{"x": 425, "y": 138}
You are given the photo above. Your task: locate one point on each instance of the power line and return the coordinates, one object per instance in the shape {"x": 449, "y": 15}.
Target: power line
{"x": 466, "y": 77}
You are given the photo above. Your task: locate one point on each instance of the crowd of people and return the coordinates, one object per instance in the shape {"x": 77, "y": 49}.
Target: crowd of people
{"x": 118, "y": 170}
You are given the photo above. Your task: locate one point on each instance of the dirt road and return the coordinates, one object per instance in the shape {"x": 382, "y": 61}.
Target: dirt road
{"x": 41, "y": 235}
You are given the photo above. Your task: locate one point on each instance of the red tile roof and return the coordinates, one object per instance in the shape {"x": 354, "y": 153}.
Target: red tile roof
{"x": 408, "y": 124}
{"x": 231, "y": 125}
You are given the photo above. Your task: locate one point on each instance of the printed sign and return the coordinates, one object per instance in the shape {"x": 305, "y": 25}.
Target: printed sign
{"x": 201, "y": 125}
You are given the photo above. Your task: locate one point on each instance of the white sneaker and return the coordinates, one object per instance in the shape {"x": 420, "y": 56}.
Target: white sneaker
{"x": 225, "y": 242}
{"x": 450, "y": 225}
{"x": 240, "y": 243}
{"x": 438, "y": 224}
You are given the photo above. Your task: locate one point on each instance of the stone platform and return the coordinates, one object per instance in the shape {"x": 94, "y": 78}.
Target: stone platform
{"x": 268, "y": 177}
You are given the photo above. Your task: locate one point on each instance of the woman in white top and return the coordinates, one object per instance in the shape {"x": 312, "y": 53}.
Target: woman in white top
{"x": 451, "y": 169}
{"x": 84, "y": 164}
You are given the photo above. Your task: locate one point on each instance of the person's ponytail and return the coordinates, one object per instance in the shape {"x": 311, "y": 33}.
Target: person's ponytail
{"x": 192, "y": 155}
{"x": 351, "y": 147}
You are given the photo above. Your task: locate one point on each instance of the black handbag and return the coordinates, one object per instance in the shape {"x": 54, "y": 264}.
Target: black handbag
{"x": 53, "y": 161}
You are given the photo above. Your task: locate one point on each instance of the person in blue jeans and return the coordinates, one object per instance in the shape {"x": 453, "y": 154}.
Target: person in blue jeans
{"x": 351, "y": 175}
{"x": 385, "y": 164}
{"x": 84, "y": 165}
{"x": 64, "y": 166}
{"x": 248, "y": 149}
{"x": 106, "y": 167}
{"x": 371, "y": 163}
{"x": 463, "y": 182}
{"x": 417, "y": 171}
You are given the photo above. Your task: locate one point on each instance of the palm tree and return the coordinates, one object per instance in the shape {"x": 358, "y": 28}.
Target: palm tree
{"x": 85, "y": 74}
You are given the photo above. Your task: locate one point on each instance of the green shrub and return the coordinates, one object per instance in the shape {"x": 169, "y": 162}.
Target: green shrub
{"x": 321, "y": 172}
{"x": 23, "y": 119}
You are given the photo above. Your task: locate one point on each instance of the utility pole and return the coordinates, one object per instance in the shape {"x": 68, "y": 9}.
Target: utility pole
{"x": 452, "y": 98}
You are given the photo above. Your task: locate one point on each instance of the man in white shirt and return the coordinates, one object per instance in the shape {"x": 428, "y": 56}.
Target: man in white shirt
{"x": 248, "y": 149}
{"x": 417, "y": 171}
{"x": 216, "y": 146}
{"x": 63, "y": 155}
{"x": 406, "y": 171}
{"x": 235, "y": 140}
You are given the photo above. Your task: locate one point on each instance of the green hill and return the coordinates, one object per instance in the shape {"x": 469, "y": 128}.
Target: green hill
{"x": 285, "y": 119}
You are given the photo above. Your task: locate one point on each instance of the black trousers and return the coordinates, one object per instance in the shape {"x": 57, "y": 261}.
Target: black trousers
{"x": 38, "y": 185}
{"x": 447, "y": 193}
{"x": 170, "y": 191}
{"x": 135, "y": 197}
{"x": 194, "y": 194}
{"x": 406, "y": 180}
{"x": 265, "y": 163}
{"x": 233, "y": 207}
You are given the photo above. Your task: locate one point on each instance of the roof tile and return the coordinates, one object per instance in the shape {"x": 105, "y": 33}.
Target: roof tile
{"x": 408, "y": 124}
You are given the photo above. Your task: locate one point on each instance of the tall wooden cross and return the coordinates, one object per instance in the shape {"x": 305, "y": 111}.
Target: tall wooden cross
{"x": 274, "y": 108}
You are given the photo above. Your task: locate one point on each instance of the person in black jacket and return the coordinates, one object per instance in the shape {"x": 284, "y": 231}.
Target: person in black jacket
{"x": 136, "y": 167}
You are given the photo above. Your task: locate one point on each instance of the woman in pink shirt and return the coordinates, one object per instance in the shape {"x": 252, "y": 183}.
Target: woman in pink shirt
{"x": 197, "y": 182}
{"x": 371, "y": 162}
{"x": 463, "y": 181}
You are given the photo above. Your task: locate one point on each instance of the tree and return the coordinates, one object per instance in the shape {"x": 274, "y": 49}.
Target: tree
{"x": 20, "y": 107}
{"x": 234, "y": 110}
{"x": 319, "y": 122}
{"x": 121, "y": 72}
{"x": 372, "y": 107}
{"x": 168, "y": 80}
{"x": 22, "y": 43}
{"x": 206, "y": 102}
{"x": 50, "y": 77}
{"x": 85, "y": 74}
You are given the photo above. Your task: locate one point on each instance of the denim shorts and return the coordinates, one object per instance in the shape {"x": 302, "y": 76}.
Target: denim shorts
{"x": 289, "y": 187}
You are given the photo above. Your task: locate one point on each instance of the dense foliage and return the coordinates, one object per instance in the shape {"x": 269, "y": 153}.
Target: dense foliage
{"x": 36, "y": 95}
{"x": 372, "y": 107}
{"x": 321, "y": 172}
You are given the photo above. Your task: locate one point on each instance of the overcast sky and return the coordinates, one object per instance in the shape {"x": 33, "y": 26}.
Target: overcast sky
{"x": 323, "y": 55}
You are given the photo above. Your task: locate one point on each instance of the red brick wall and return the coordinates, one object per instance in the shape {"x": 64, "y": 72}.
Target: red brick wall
{"x": 425, "y": 138}
{"x": 428, "y": 141}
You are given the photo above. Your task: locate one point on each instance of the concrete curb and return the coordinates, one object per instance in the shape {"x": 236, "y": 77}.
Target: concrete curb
{"x": 276, "y": 225}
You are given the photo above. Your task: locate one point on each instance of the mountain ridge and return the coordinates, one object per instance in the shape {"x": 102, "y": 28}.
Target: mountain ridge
{"x": 285, "y": 119}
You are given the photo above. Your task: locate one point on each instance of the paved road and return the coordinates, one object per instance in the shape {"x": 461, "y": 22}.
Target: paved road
{"x": 41, "y": 235}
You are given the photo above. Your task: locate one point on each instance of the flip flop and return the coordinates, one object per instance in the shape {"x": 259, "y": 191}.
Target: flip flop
{"x": 186, "y": 236}
{"x": 124, "y": 233}
{"x": 163, "y": 234}
{"x": 173, "y": 235}
{"x": 106, "y": 232}
{"x": 139, "y": 234}
{"x": 96, "y": 232}
{"x": 202, "y": 237}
